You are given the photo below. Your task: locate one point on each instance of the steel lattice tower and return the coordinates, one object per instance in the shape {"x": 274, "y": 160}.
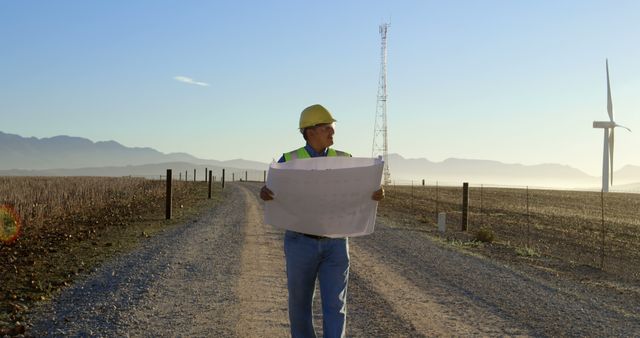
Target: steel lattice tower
{"x": 380, "y": 145}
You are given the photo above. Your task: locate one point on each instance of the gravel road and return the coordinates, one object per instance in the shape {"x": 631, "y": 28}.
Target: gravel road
{"x": 223, "y": 275}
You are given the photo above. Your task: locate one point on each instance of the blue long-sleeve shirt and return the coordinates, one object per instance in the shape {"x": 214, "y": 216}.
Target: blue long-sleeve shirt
{"x": 311, "y": 152}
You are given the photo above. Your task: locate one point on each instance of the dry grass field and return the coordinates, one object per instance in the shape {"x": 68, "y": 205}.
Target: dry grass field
{"x": 71, "y": 224}
{"x": 558, "y": 229}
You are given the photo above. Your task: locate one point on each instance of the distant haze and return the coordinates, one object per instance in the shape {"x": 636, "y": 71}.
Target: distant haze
{"x": 76, "y": 156}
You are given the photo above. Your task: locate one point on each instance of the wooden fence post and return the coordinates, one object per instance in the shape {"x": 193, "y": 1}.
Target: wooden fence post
{"x": 481, "y": 205}
{"x": 246, "y": 175}
{"x": 180, "y": 176}
{"x": 465, "y": 206}
{"x": 528, "y": 221}
{"x": 423, "y": 182}
{"x": 206, "y": 170}
{"x": 194, "y": 175}
{"x": 168, "y": 196}
{"x": 223, "y": 179}
{"x": 233, "y": 177}
{"x": 186, "y": 175}
{"x": 210, "y": 184}
{"x": 264, "y": 176}
{"x": 437, "y": 200}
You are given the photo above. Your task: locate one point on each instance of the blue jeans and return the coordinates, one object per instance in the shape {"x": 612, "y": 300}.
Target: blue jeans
{"x": 326, "y": 259}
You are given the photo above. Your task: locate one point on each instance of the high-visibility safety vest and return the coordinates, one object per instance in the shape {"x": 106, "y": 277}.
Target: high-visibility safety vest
{"x": 302, "y": 153}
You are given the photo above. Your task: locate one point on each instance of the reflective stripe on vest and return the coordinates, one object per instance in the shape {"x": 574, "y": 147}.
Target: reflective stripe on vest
{"x": 302, "y": 153}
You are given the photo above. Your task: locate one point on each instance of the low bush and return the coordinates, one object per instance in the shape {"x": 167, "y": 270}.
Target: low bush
{"x": 485, "y": 235}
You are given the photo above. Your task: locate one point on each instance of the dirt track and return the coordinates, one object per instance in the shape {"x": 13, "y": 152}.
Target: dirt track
{"x": 223, "y": 275}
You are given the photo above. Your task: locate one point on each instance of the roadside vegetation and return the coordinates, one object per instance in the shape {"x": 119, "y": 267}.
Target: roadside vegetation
{"x": 68, "y": 225}
{"x": 555, "y": 230}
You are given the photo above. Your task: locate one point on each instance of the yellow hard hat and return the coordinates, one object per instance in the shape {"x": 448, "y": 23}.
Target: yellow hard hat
{"x": 313, "y": 115}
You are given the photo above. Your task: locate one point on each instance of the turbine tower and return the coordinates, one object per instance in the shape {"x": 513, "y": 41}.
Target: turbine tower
{"x": 380, "y": 146}
{"x": 609, "y": 128}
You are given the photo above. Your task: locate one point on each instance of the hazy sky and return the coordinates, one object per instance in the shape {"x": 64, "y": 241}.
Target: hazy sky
{"x": 513, "y": 81}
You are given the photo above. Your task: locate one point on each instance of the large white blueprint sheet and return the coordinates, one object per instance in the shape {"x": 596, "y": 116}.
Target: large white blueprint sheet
{"x": 327, "y": 196}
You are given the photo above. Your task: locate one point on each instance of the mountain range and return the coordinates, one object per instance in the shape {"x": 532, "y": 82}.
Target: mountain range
{"x": 67, "y": 152}
{"x": 77, "y": 156}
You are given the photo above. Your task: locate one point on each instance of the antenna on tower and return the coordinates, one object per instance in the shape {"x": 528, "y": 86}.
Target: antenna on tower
{"x": 380, "y": 146}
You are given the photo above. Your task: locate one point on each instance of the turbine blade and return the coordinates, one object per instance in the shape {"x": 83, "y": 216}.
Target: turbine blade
{"x": 611, "y": 140}
{"x": 617, "y": 125}
{"x": 609, "y": 101}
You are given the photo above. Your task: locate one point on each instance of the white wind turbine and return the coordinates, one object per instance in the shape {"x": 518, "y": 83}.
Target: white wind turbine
{"x": 609, "y": 128}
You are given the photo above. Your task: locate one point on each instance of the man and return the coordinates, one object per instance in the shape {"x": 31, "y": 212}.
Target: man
{"x": 309, "y": 256}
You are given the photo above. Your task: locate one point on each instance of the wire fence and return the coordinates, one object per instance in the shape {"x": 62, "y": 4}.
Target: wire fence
{"x": 231, "y": 175}
{"x": 46, "y": 202}
{"x": 579, "y": 228}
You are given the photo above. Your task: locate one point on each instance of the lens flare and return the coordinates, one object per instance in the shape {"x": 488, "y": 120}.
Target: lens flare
{"x": 9, "y": 224}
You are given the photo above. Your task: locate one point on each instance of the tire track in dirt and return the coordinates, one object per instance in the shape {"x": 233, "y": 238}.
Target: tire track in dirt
{"x": 413, "y": 274}
{"x": 494, "y": 298}
{"x": 194, "y": 294}
{"x": 406, "y": 299}
{"x": 421, "y": 308}
{"x": 262, "y": 285}
{"x": 371, "y": 315}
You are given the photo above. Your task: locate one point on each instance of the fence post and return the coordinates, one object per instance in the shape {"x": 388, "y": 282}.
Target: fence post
{"x": 528, "y": 221}
{"x": 437, "y": 200}
{"x": 423, "y": 182}
{"x": 186, "y": 175}
{"x": 442, "y": 222}
{"x": 465, "y": 206}
{"x": 264, "y": 176}
{"x": 223, "y": 179}
{"x": 210, "y": 184}
{"x": 180, "y": 176}
{"x": 206, "y": 170}
{"x": 168, "y": 196}
{"x": 246, "y": 176}
{"x": 194, "y": 175}
{"x": 481, "y": 205}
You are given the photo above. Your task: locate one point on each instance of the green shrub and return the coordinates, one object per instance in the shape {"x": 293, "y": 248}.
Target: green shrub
{"x": 485, "y": 235}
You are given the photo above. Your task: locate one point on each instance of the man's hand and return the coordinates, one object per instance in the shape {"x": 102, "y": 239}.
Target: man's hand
{"x": 378, "y": 195}
{"x": 266, "y": 194}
